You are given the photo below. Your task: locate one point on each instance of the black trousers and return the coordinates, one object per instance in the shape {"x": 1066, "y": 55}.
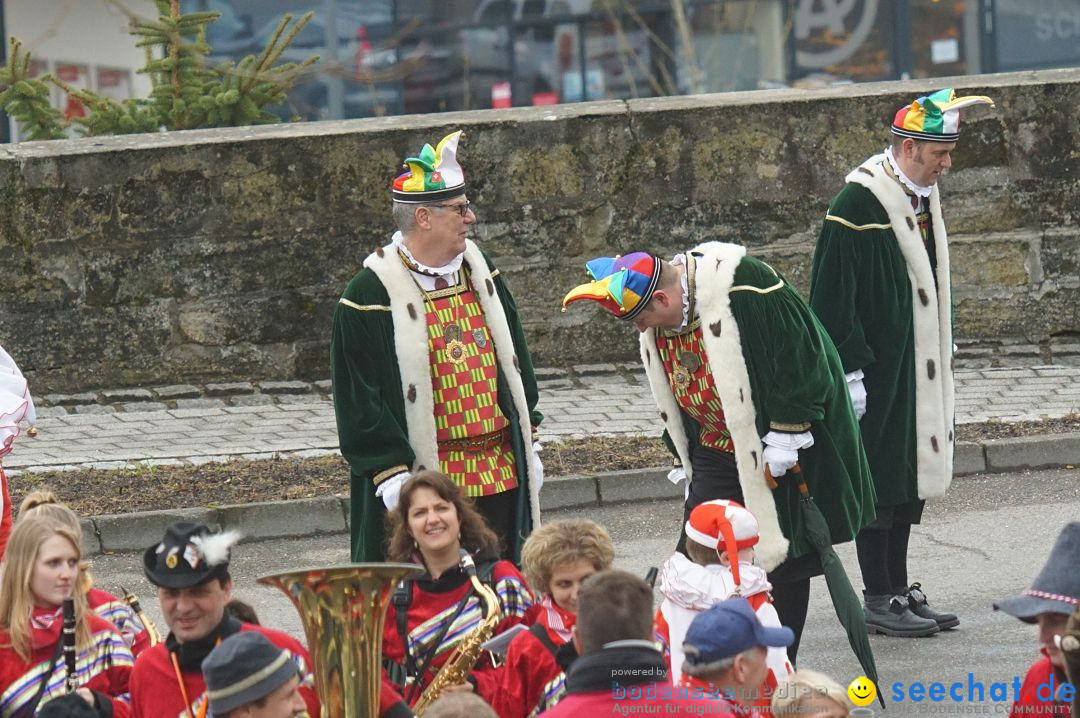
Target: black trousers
{"x": 883, "y": 547}
{"x": 499, "y": 510}
{"x": 717, "y": 477}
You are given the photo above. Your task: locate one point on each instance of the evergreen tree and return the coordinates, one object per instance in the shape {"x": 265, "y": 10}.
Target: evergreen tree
{"x": 186, "y": 92}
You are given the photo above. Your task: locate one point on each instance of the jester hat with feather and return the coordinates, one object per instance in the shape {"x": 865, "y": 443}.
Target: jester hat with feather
{"x": 935, "y": 117}
{"x": 434, "y": 174}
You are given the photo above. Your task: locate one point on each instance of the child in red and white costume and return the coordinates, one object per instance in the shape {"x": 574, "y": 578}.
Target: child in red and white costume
{"x": 15, "y": 406}
{"x": 722, "y": 535}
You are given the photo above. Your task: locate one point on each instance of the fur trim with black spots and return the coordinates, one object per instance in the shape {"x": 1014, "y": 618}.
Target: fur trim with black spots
{"x": 934, "y": 389}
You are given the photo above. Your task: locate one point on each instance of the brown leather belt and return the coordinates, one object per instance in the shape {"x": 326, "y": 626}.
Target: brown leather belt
{"x": 476, "y": 444}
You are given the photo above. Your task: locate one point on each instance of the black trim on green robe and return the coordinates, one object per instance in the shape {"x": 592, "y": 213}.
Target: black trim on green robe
{"x": 774, "y": 368}
{"x": 898, "y": 334}
{"x": 369, "y": 403}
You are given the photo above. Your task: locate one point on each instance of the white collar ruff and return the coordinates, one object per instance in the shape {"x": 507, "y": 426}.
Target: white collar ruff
{"x": 918, "y": 189}
{"x": 454, "y": 264}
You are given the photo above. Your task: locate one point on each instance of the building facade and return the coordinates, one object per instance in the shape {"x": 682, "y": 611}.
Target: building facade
{"x": 387, "y": 57}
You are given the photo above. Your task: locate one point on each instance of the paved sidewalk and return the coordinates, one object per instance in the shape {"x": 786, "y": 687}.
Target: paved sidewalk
{"x": 187, "y": 424}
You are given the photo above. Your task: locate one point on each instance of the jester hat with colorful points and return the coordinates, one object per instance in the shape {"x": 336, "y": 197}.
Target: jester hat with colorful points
{"x": 434, "y": 175}
{"x": 935, "y": 117}
{"x": 623, "y": 285}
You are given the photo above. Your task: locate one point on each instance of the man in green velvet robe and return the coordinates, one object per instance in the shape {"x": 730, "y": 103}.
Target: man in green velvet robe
{"x": 430, "y": 366}
{"x": 880, "y": 285}
{"x": 744, "y": 377}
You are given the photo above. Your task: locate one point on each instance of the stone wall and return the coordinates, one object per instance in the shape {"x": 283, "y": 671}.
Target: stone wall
{"x": 217, "y": 255}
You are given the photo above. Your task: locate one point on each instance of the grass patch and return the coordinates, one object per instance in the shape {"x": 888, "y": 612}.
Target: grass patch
{"x": 144, "y": 488}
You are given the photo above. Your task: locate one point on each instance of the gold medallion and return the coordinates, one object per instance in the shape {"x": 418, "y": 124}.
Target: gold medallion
{"x": 455, "y": 352}
{"x": 690, "y": 361}
{"x": 171, "y": 560}
{"x": 451, "y": 333}
{"x": 479, "y": 337}
{"x": 680, "y": 377}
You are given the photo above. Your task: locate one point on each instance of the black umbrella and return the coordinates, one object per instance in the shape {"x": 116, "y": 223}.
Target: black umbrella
{"x": 845, "y": 601}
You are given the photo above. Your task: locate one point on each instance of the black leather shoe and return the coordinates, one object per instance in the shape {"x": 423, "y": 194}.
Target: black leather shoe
{"x": 890, "y": 615}
{"x": 918, "y": 605}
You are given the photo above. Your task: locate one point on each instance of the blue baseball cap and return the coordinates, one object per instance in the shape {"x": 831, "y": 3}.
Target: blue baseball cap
{"x": 727, "y": 629}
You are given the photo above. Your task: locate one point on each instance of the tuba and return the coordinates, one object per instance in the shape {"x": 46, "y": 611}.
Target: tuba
{"x": 456, "y": 669}
{"x": 343, "y": 609}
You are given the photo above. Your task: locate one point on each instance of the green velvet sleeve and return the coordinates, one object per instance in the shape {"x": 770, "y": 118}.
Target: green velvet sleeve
{"x": 521, "y": 347}
{"x": 850, "y": 230}
{"x": 367, "y": 386}
{"x": 784, "y": 349}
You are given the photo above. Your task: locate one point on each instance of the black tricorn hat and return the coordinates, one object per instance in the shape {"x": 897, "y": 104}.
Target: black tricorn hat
{"x": 1057, "y": 587}
{"x": 190, "y": 554}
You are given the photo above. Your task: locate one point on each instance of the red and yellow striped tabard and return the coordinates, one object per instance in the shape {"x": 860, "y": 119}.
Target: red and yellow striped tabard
{"x": 466, "y": 394}
{"x": 698, "y": 397}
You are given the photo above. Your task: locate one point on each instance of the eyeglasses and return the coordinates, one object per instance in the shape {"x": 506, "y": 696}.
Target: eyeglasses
{"x": 462, "y": 209}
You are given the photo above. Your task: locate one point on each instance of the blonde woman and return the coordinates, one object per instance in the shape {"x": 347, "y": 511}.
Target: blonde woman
{"x": 807, "y": 692}
{"x": 557, "y": 558}
{"x": 41, "y": 569}
{"x": 112, "y": 609}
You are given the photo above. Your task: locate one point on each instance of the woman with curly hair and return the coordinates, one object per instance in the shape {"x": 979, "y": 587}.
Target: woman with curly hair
{"x": 430, "y": 615}
{"x": 41, "y": 570}
{"x": 43, "y": 503}
{"x": 557, "y": 558}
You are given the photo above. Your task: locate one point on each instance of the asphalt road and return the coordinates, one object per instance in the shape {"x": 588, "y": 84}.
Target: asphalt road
{"x": 986, "y": 540}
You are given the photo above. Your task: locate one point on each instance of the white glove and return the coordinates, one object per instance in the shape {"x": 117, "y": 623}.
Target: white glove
{"x": 782, "y": 450}
{"x": 858, "y": 392}
{"x": 538, "y": 466}
{"x": 779, "y": 460}
{"x": 390, "y": 489}
{"x": 676, "y": 475}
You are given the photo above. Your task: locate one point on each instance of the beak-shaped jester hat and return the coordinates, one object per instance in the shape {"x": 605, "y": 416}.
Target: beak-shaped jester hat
{"x": 935, "y": 117}
{"x": 622, "y": 285}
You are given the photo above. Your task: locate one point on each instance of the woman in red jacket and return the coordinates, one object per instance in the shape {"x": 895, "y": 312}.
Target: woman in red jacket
{"x": 41, "y": 569}
{"x": 556, "y": 557}
{"x": 430, "y": 615}
{"x": 100, "y": 601}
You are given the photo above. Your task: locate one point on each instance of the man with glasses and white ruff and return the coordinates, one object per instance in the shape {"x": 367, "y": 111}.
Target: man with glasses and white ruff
{"x": 430, "y": 366}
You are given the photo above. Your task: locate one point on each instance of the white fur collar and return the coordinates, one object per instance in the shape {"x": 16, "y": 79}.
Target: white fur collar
{"x": 932, "y": 318}
{"x": 411, "y": 342}
{"x": 715, "y": 274}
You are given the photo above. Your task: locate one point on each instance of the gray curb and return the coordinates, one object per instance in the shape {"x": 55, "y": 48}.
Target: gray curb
{"x": 329, "y": 514}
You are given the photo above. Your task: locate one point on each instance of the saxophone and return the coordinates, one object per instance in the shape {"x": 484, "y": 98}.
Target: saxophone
{"x": 456, "y": 669}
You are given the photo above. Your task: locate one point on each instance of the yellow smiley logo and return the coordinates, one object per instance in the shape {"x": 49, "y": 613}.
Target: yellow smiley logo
{"x": 862, "y": 691}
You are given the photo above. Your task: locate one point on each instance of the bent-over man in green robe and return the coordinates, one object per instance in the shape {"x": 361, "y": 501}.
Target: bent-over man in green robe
{"x": 430, "y": 366}
{"x": 880, "y": 285}
{"x": 744, "y": 377}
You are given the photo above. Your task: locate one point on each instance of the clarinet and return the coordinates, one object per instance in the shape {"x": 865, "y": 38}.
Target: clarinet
{"x": 71, "y": 681}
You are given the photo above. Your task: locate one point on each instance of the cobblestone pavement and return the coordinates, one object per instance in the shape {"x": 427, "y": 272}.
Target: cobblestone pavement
{"x": 196, "y": 424}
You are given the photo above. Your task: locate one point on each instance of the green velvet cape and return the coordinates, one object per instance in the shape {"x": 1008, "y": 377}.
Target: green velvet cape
{"x": 775, "y": 368}
{"x": 383, "y": 398}
{"x": 873, "y": 289}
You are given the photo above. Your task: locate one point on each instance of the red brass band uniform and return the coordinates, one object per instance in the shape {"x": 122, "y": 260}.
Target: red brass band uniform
{"x": 534, "y": 673}
{"x": 440, "y": 614}
{"x": 104, "y": 667}
{"x": 156, "y": 691}
{"x": 119, "y": 614}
